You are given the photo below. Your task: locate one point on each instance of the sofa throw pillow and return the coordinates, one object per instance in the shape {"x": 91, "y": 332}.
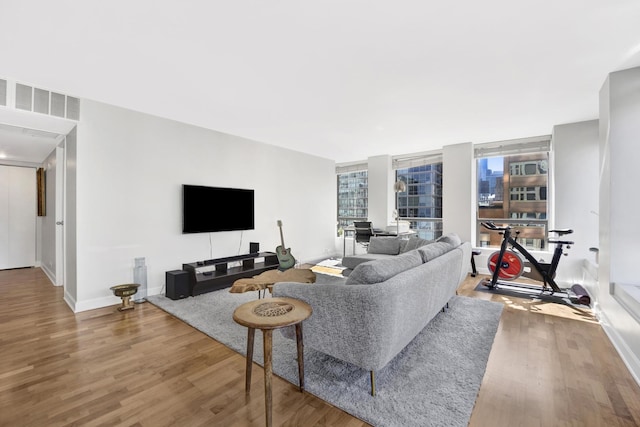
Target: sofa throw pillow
{"x": 450, "y": 238}
{"x": 380, "y": 270}
{"x": 434, "y": 250}
{"x": 384, "y": 245}
{"x": 414, "y": 243}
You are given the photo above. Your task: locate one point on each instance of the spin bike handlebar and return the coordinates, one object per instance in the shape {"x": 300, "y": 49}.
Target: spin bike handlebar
{"x": 493, "y": 227}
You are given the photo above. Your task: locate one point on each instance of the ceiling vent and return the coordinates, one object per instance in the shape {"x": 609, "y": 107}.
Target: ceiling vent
{"x": 43, "y": 101}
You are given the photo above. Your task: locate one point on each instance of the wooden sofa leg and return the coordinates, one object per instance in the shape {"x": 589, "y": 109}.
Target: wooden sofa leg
{"x": 373, "y": 383}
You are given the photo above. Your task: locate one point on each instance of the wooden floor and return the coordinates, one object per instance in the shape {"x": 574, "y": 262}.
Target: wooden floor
{"x": 550, "y": 365}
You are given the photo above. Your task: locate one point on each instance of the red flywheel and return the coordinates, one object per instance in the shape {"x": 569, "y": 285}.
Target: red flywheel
{"x": 511, "y": 267}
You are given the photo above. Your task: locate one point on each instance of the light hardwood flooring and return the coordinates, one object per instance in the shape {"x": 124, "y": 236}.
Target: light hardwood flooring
{"x": 550, "y": 365}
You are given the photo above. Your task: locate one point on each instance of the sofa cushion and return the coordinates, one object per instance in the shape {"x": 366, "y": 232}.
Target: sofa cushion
{"x": 352, "y": 261}
{"x": 382, "y": 269}
{"x": 450, "y": 238}
{"x": 384, "y": 245}
{"x": 434, "y": 250}
{"x": 414, "y": 243}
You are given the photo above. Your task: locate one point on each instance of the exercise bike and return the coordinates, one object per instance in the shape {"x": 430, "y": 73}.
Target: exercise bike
{"x": 507, "y": 264}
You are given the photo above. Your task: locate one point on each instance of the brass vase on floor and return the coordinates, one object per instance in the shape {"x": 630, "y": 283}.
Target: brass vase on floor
{"x": 125, "y": 292}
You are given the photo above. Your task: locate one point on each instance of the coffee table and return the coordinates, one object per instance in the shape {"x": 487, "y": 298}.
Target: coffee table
{"x": 267, "y": 315}
{"x": 267, "y": 279}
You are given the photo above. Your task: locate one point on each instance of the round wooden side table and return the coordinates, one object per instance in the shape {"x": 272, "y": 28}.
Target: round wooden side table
{"x": 269, "y": 314}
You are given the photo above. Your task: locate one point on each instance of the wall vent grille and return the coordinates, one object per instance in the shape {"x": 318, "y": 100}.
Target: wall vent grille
{"x": 24, "y": 97}
{"x": 43, "y": 101}
{"x": 3, "y": 92}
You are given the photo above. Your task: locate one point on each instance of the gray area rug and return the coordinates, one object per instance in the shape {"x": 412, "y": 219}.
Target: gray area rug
{"x": 434, "y": 381}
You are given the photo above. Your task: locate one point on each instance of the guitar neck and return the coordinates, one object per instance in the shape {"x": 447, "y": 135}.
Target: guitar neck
{"x": 281, "y": 237}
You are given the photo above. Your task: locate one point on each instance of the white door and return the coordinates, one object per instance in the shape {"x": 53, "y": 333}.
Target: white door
{"x": 18, "y": 222}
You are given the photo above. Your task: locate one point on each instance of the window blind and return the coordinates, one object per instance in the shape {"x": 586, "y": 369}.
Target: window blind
{"x": 351, "y": 167}
{"x": 415, "y": 160}
{"x": 515, "y": 146}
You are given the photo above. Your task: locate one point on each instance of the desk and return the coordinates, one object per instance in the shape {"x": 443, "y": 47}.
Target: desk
{"x": 352, "y": 230}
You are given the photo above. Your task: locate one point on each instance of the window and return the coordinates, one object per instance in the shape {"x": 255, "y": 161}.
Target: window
{"x": 421, "y": 202}
{"x": 512, "y": 185}
{"x": 353, "y": 193}
{"x": 528, "y": 193}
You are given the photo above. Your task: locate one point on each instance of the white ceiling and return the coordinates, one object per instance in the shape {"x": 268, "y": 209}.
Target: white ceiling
{"x": 340, "y": 79}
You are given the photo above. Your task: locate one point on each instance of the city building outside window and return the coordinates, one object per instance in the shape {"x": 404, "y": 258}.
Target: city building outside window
{"x": 353, "y": 198}
{"x": 512, "y": 186}
{"x": 421, "y": 202}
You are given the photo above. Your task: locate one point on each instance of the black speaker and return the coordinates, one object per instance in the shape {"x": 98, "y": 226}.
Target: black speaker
{"x": 177, "y": 284}
{"x": 254, "y": 247}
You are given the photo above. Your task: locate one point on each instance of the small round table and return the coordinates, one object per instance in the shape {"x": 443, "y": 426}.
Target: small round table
{"x": 269, "y": 314}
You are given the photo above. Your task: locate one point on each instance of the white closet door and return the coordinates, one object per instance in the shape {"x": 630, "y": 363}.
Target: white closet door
{"x": 20, "y": 226}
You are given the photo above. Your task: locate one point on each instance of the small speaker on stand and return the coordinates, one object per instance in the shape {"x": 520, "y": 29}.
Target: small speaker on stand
{"x": 254, "y": 247}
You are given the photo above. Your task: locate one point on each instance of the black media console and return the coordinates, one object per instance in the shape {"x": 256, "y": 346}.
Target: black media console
{"x": 213, "y": 274}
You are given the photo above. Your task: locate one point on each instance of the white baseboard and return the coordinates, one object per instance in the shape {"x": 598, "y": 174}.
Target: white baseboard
{"x": 71, "y": 302}
{"x": 49, "y": 274}
{"x": 626, "y": 354}
{"x": 94, "y": 303}
{"x": 106, "y": 301}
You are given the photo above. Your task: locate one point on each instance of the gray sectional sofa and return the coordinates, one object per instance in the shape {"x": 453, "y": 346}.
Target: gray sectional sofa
{"x": 384, "y": 303}
{"x": 384, "y": 247}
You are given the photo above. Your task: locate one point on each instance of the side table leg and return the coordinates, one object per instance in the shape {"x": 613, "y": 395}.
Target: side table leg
{"x": 268, "y": 372}
{"x": 250, "y": 336}
{"x": 300, "y": 355}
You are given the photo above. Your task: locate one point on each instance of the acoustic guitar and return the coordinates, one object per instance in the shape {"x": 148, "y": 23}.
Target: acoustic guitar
{"x": 285, "y": 258}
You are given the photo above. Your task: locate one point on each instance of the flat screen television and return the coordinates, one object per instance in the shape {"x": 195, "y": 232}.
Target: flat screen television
{"x": 209, "y": 209}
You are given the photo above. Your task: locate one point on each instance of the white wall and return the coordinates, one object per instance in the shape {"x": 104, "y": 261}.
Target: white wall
{"x": 575, "y": 194}
{"x": 381, "y": 194}
{"x": 619, "y": 207}
{"x": 130, "y": 169}
{"x": 458, "y": 191}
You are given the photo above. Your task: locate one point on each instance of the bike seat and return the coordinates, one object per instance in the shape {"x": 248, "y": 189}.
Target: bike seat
{"x": 560, "y": 242}
{"x": 561, "y": 231}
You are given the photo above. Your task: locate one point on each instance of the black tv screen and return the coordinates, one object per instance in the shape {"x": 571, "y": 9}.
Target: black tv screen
{"x": 208, "y": 209}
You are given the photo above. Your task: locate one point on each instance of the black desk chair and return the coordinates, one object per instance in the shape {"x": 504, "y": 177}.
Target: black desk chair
{"x": 364, "y": 231}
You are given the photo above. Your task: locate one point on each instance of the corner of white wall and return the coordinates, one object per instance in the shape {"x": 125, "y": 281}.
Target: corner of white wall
{"x": 458, "y": 195}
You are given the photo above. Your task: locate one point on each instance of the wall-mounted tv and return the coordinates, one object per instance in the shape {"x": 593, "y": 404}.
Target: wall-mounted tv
{"x": 208, "y": 209}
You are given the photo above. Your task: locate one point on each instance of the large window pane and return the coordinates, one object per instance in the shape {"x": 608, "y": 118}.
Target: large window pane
{"x": 421, "y": 202}
{"x": 353, "y": 198}
{"x": 524, "y": 179}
